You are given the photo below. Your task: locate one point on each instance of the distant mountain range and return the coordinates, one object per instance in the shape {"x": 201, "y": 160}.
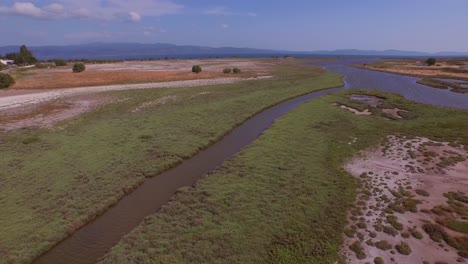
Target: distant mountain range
{"x": 395, "y": 53}
{"x": 161, "y": 50}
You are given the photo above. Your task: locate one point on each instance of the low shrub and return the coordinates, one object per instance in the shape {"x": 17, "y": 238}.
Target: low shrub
{"x": 236, "y": 70}
{"x": 227, "y": 70}
{"x": 6, "y": 80}
{"x": 196, "y": 68}
{"x": 459, "y": 226}
{"x": 389, "y": 230}
{"x": 403, "y": 248}
{"x": 79, "y": 67}
{"x": 383, "y": 245}
{"x": 60, "y": 63}
{"x": 357, "y": 248}
{"x": 378, "y": 260}
{"x": 40, "y": 65}
{"x": 416, "y": 234}
{"x": 422, "y": 192}
{"x": 393, "y": 220}
{"x": 30, "y": 140}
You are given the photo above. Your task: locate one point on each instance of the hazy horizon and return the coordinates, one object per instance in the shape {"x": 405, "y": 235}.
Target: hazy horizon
{"x": 423, "y": 26}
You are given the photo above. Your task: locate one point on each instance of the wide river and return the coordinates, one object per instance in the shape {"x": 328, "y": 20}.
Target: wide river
{"x": 406, "y": 86}
{"x": 95, "y": 239}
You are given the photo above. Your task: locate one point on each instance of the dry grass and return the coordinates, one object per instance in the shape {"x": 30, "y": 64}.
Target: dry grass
{"x": 47, "y": 80}
{"x": 136, "y": 72}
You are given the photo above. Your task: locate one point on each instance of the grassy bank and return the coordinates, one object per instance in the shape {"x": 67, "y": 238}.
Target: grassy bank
{"x": 52, "y": 181}
{"x": 435, "y": 83}
{"x": 284, "y": 198}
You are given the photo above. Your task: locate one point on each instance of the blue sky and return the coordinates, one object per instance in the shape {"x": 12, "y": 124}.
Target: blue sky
{"x": 300, "y": 25}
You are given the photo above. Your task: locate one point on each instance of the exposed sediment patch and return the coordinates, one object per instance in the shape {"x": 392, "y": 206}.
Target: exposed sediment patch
{"x": 412, "y": 206}
{"x": 49, "y": 113}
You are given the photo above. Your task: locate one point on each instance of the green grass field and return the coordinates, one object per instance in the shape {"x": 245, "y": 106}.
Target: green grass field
{"x": 284, "y": 198}
{"x": 52, "y": 181}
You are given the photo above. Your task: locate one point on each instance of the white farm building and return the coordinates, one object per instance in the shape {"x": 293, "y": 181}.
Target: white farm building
{"x": 7, "y": 62}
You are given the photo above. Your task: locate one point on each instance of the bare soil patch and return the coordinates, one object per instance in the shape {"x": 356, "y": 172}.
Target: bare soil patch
{"x": 372, "y": 105}
{"x": 395, "y": 112}
{"x": 356, "y": 111}
{"x": 137, "y": 72}
{"x": 412, "y": 188}
{"x": 48, "y": 113}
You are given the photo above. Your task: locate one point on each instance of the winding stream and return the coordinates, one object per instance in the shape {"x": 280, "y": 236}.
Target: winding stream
{"x": 95, "y": 239}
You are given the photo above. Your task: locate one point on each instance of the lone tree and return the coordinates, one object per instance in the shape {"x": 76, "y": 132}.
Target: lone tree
{"x": 79, "y": 67}
{"x": 24, "y": 57}
{"x": 431, "y": 61}
{"x": 196, "y": 69}
{"x": 6, "y": 80}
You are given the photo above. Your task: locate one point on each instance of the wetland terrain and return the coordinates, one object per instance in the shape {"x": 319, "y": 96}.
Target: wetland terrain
{"x": 291, "y": 161}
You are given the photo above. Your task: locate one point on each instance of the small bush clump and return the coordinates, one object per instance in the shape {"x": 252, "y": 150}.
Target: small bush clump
{"x": 378, "y": 260}
{"x": 6, "y": 80}
{"x": 60, "y": 63}
{"x": 403, "y": 248}
{"x": 390, "y": 230}
{"x": 383, "y": 245}
{"x": 393, "y": 220}
{"x": 357, "y": 248}
{"x": 431, "y": 61}
{"x": 416, "y": 234}
{"x": 236, "y": 70}
{"x": 30, "y": 140}
{"x": 196, "y": 69}
{"x": 422, "y": 192}
{"x": 227, "y": 70}
{"x": 79, "y": 67}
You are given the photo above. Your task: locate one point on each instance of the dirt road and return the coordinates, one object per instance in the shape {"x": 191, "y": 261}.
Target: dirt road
{"x": 11, "y": 99}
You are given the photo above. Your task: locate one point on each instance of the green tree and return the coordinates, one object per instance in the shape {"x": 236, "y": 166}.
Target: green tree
{"x": 24, "y": 57}
{"x": 79, "y": 67}
{"x": 27, "y": 55}
{"x": 431, "y": 61}
{"x": 196, "y": 69}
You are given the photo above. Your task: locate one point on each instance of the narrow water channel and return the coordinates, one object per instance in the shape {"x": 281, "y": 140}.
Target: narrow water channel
{"x": 96, "y": 238}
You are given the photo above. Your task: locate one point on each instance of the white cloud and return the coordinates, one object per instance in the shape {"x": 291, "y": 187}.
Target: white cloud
{"x": 126, "y": 10}
{"x": 223, "y": 11}
{"x": 217, "y": 11}
{"x": 131, "y": 16}
{"x": 134, "y": 16}
{"x": 224, "y": 25}
{"x": 23, "y": 8}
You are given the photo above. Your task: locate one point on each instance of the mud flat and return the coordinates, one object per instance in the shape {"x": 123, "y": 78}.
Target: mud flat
{"x": 413, "y": 203}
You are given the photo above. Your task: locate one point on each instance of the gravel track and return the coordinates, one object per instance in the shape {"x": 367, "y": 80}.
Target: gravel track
{"x": 8, "y": 101}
